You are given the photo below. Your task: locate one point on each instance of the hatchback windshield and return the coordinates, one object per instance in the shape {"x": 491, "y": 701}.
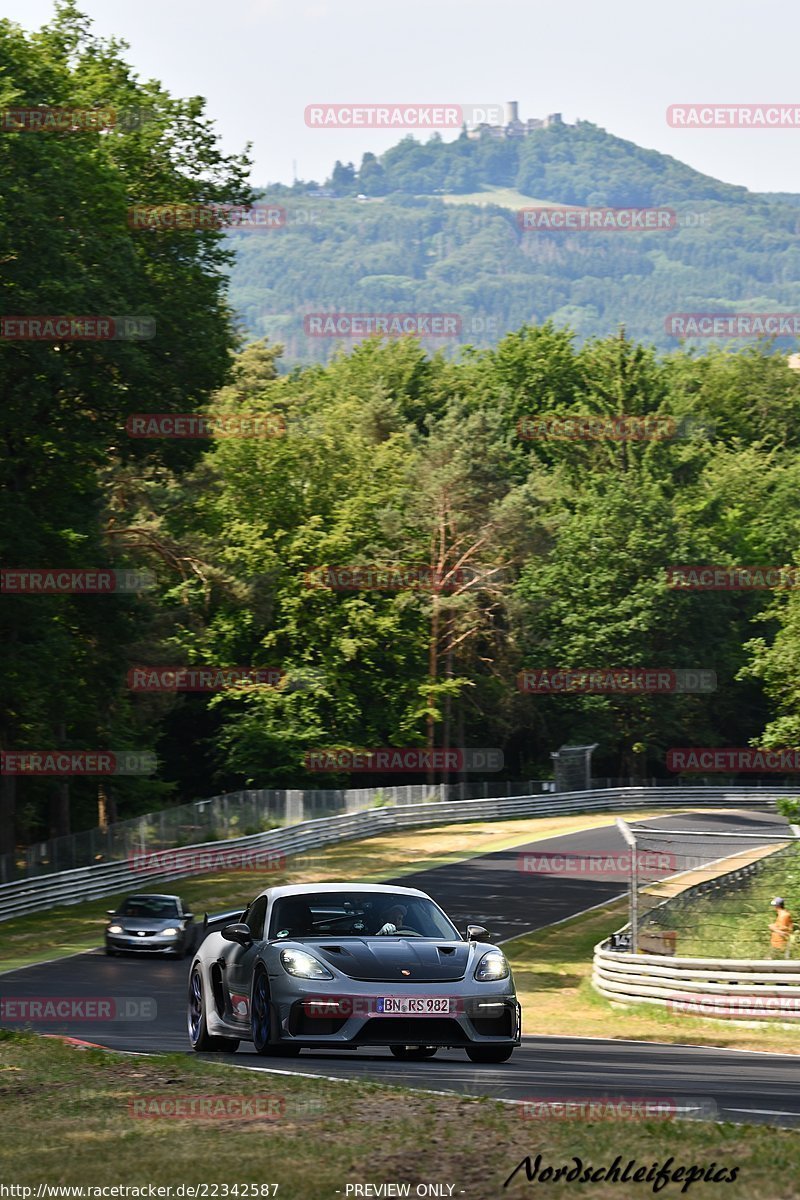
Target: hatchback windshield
{"x": 153, "y": 907}
{"x": 359, "y": 914}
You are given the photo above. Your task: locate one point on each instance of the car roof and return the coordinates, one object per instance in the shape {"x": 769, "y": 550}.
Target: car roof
{"x": 149, "y": 896}
{"x": 307, "y": 889}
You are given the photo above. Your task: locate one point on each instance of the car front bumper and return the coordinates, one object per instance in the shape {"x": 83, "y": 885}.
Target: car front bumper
{"x": 312, "y": 1017}
{"x": 154, "y": 944}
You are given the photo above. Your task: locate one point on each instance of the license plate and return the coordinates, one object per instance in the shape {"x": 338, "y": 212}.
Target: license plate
{"x": 412, "y": 1005}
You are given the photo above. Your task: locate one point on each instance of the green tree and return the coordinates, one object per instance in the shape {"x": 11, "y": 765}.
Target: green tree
{"x": 67, "y": 249}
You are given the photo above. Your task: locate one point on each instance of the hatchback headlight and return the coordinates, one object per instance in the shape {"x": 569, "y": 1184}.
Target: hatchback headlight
{"x": 493, "y": 965}
{"x": 170, "y": 932}
{"x": 114, "y": 929}
{"x": 305, "y": 966}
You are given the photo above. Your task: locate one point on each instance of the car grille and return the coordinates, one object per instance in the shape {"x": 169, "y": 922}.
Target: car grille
{"x": 144, "y": 947}
{"x": 412, "y": 1031}
{"x": 138, "y": 932}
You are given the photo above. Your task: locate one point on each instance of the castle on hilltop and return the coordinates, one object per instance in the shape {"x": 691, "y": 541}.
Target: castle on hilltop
{"x": 513, "y": 127}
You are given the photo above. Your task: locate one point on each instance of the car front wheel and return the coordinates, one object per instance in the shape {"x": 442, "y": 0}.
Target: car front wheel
{"x": 199, "y": 1037}
{"x": 261, "y": 1021}
{"x": 489, "y": 1054}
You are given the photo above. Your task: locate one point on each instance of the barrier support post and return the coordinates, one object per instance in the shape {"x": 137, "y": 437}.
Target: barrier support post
{"x": 630, "y": 839}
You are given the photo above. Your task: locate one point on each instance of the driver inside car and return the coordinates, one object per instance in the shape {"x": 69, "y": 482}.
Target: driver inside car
{"x": 393, "y": 919}
{"x": 296, "y": 919}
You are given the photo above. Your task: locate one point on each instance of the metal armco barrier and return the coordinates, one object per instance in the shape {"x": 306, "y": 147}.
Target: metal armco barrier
{"x": 721, "y": 988}
{"x": 109, "y": 879}
{"x": 241, "y": 814}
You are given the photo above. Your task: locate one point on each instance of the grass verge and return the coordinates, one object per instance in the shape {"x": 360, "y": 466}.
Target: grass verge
{"x": 553, "y": 970}
{"x": 70, "y": 1118}
{"x": 735, "y": 923}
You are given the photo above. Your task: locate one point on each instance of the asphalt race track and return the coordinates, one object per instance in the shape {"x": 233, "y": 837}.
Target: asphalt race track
{"x": 492, "y": 891}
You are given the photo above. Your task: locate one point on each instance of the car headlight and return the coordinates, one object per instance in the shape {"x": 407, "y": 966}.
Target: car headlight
{"x": 493, "y": 965}
{"x": 114, "y": 929}
{"x": 170, "y": 932}
{"x": 305, "y": 966}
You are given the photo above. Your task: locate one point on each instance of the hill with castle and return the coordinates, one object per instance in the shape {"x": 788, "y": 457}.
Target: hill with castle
{"x": 513, "y": 127}
{"x": 546, "y": 158}
{"x": 435, "y": 227}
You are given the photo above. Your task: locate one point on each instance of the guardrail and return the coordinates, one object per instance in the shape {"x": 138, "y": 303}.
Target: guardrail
{"x": 110, "y": 879}
{"x": 725, "y": 989}
{"x": 240, "y": 814}
{"x": 721, "y": 988}
{"x": 254, "y": 810}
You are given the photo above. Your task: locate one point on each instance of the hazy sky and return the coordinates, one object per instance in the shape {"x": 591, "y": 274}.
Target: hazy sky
{"x": 260, "y": 62}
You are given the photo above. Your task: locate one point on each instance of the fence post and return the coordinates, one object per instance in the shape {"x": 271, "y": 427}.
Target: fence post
{"x": 630, "y": 839}
{"x": 294, "y": 806}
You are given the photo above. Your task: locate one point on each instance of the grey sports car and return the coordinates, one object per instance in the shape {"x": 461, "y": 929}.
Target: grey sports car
{"x": 336, "y": 966}
{"x": 150, "y": 924}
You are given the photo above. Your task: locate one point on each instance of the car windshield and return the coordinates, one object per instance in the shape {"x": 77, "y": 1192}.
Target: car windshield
{"x": 359, "y": 914}
{"x": 152, "y": 907}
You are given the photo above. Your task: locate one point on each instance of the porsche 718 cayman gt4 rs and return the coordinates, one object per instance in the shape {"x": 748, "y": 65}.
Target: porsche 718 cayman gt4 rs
{"x": 338, "y": 966}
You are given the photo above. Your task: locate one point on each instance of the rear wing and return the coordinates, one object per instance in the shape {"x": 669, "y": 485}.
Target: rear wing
{"x": 225, "y": 918}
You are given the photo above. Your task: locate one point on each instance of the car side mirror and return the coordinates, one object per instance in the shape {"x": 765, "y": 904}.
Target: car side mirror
{"x": 238, "y": 933}
{"x": 477, "y": 933}
{"x": 188, "y": 916}
{"x": 110, "y": 912}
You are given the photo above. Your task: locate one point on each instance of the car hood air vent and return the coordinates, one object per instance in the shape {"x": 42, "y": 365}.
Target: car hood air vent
{"x": 388, "y": 959}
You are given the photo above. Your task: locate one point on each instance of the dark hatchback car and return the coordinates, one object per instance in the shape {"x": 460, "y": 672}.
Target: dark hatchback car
{"x": 150, "y": 924}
